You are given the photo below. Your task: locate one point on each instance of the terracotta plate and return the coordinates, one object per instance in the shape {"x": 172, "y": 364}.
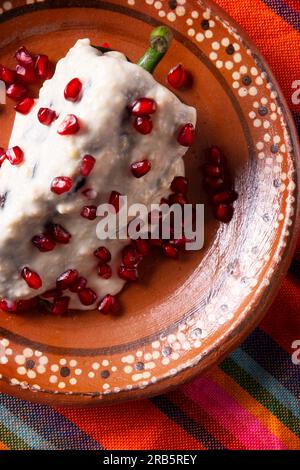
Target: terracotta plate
{"x": 185, "y": 315}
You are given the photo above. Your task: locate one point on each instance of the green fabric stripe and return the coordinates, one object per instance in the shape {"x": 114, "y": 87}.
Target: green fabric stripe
{"x": 261, "y": 395}
{"x": 11, "y": 440}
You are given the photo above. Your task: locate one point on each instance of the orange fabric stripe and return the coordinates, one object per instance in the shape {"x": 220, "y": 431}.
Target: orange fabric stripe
{"x": 254, "y": 407}
{"x": 3, "y": 446}
{"x": 130, "y": 426}
{"x": 252, "y": 14}
{"x": 228, "y": 440}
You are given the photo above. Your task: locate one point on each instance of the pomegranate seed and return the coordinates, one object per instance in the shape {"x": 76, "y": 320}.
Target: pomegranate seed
{"x": 59, "y": 233}
{"x": 170, "y": 251}
{"x": 79, "y": 284}
{"x": 89, "y": 212}
{"x": 143, "y": 107}
{"x": 223, "y": 212}
{"x": 225, "y": 197}
{"x": 105, "y": 45}
{"x": 27, "y": 304}
{"x": 164, "y": 200}
{"x": 73, "y": 90}
{"x": 213, "y": 171}
{"x": 114, "y": 200}
{"x": 109, "y": 304}
{"x": 52, "y": 293}
{"x": 8, "y": 306}
{"x": 24, "y": 57}
{"x": 2, "y": 156}
{"x": 186, "y": 135}
{"x": 87, "y": 164}
{"x": 15, "y": 155}
{"x": 213, "y": 185}
{"x": 26, "y": 74}
{"x": 179, "y": 185}
{"x": 44, "y": 68}
{"x": 61, "y": 184}
{"x": 24, "y": 107}
{"x": 67, "y": 279}
{"x": 69, "y": 126}
{"x": 214, "y": 155}
{"x": 131, "y": 257}
{"x": 90, "y": 193}
{"x": 43, "y": 243}
{"x": 155, "y": 242}
{"x": 46, "y": 116}
{"x": 178, "y": 199}
{"x": 16, "y": 92}
{"x": 143, "y": 124}
{"x": 32, "y": 278}
{"x": 87, "y": 296}
{"x": 140, "y": 168}
{"x": 60, "y": 305}
{"x": 7, "y": 75}
{"x": 103, "y": 254}
{"x": 128, "y": 274}
{"x": 142, "y": 246}
{"x": 104, "y": 271}
{"x": 179, "y": 77}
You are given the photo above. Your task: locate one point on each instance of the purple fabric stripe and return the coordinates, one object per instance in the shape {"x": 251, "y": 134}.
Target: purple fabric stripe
{"x": 285, "y": 11}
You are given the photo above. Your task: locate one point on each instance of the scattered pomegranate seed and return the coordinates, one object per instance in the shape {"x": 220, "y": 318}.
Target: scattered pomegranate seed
{"x": 32, "y": 278}
{"x": 103, "y": 254}
{"x": 27, "y": 304}
{"x": 67, "y": 279}
{"x": 164, "y": 200}
{"x": 70, "y": 125}
{"x": 60, "y": 305}
{"x": 155, "y": 242}
{"x": 44, "y": 68}
{"x": 73, "y": 90}
{"x": 179, "y": 185}
{"x": 177, "y": 198}
{"x": 16, "y": 92}
{"x": 109, "y": 304}
{"x": 213, "y": 185}
{"x": 214, "y": 155}
{"x": 26, "y": 74}
{"x": 143, "y": 107}
{"x": 186, "y": 135}
{"x": 131, "y": 257}
{"x": 59, "y": 233}
{"x": 143, "y": 124}
{"x": 104, "y": 271}
{"x": 15, "y": 155}
{"x": 8, "y": 306}
{"x": 52, "y": 293}
{"x": 225, "y": 197}
{"x": 87, "y": 296}
{"x": 7, "y": 75}
{"x": 105, "y": 45}
{"x": 61, "y": 184}
{"x": 140, "y": 168}
{"x": 24, "y": 57}
{"x": 213, "y": 171}
{"x": 46, "y": 116}
{"x": 170, "y": 251}
{"x": 142, "y": 246}
{"x": 128, "y": 274}
{"x": 87, "y": 164}
{"x": 90, "y": 193}
{"x": 223, "y": 212}
{"x": 78, "y": 285}
{"x": 43, "y": 243}
{"x": 25, "y": 106}
{"x": 114, "y": 200}
{"x": 89, "y": 212}
{"x": 179, "y": 77}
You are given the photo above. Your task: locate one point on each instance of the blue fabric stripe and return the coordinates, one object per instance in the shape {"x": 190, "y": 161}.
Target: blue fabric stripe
{"x": 285, "y": 11}
{"x": 269, "y": 355}
{"x": 50, "y": 425}
{"x": 266, "y": 380}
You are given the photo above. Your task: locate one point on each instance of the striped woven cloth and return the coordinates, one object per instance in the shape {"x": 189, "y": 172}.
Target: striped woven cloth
{"x": 251, "y": 401}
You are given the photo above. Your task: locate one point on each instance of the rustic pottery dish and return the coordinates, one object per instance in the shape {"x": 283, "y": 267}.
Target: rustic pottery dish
{"x": 185, "y": 315}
